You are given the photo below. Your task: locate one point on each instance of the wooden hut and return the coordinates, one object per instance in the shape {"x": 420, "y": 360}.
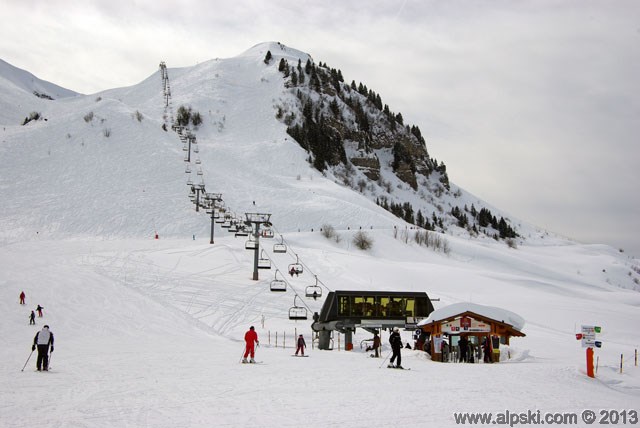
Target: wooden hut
{"x": 473, "y": 324}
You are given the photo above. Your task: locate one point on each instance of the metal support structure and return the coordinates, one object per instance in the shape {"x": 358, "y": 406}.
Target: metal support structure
{"x": 213, "y": 199}
{"x": 255, "y": 220}
{"x": 190, "y": 138}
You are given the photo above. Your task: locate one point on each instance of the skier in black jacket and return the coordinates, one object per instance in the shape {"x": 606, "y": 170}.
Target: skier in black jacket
{"x": 396, "y": 346}
{"x": 43, "y": 339}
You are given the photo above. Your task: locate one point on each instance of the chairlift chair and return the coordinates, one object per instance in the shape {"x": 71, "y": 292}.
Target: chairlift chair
{"x": 242, "y": 232}
{"x": 189, "y": 181}
{"x": 280, "y": 247}
{"x": 267, "y": 233}
{"x": 251, "y": 244}
{"x": 296, "y": 267}
{"x": 263, "y": 261}
{"x": 233, "y": 227}
{"x": 313, "y": 291}
{"x": 297, "y": 312}
{"x": 278, "y": 284}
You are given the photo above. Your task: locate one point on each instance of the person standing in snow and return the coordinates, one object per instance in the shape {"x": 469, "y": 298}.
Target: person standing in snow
{"x": 250, "y": 338}
{"x": 463, "y": 345}
{"x": 42, "y": 340}
{"x": 375, "y": 346}
{"x": 486, "y": 348}
{"x": 396, "y": 345}
{"x": 39, "y": 309}
{"x": 301, "y": 345}
{"x": 32, "y": 318}
{"x": 22, "y": 296}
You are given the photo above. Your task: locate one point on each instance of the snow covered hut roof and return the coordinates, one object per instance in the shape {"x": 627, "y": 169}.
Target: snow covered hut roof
{"x": 491, "y": 312}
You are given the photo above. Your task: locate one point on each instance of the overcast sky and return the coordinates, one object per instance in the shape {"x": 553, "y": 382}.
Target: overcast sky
{"x": 534, "y": 106}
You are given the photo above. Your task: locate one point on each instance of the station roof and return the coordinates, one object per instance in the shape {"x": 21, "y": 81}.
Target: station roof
{"x": 487, "y": 313}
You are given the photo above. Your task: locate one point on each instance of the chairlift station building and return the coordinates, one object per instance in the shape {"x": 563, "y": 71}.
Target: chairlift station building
{"x": 345, "y": 311}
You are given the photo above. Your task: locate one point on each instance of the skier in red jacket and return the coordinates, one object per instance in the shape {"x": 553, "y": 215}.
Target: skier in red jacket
{"x": 250, "y": 337}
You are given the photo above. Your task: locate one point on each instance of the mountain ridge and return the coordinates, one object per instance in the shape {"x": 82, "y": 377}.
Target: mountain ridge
{"x": 239, "y": 99}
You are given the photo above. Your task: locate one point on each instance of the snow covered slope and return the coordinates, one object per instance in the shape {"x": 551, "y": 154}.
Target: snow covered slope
{"x": 149, "y": 332}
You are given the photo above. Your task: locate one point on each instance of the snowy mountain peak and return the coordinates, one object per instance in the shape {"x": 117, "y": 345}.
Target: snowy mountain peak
{"x": 278, "y": 50}
{"x": 28, "y": 82}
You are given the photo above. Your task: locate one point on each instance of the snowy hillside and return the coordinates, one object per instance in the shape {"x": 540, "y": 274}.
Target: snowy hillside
{"x": 149, "y": 331}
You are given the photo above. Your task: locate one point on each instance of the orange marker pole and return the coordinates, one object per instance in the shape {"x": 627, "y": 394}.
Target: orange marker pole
{"x": 590, "y": 362}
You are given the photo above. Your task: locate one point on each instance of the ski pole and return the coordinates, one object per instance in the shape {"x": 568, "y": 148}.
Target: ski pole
{"x": 385, "y": 359}
{"x": 50, "y": 356}
{"x": 25, "y": 364}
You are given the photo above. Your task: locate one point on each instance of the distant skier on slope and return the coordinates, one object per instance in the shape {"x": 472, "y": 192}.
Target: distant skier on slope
{"x": 43, "y": 339}
{"x": 22, "y": 296}
{"x": 32, "y": 318}
{"x": 250, "y": 338}
{"x": 301, "y": 345}
{"x": 39, "y": 309}
{"x": 396, "y": 345}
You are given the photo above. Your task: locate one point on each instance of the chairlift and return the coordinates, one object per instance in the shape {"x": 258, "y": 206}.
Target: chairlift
{"x": 196, "y": 149}
{"x": 267, "y": 233}
{"x": 314, "y": 291}
{"x": 233, "y": 227}
{"x": 198, "y": 161}
{"x": 251, "y": 244}
{"x": 280, "y": 247}
{"x": 242, "y": 232}
{"x": 189, "y": 181}
{"x": 185, "y": 148}
{"x": 188, "y": 169}
{"x": 297, "y": 312}
{"x": 199, "y": 171}
{"x": 264, "y": 262}
{"x": 278, "y": 284}
{"x": 296, "y": 267}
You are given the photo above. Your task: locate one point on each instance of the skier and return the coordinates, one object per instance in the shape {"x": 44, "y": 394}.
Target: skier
{"x": 250, "y": 337}
{"x": 22, "y": 296}
{"x": 301, "y": 345}
{"x": 375, "y": 346}
{"x": 39, "y": 309}
{"x": 43, "y": 339}
{"x": 32, "y": 318}
{"x": 396, "y": 346}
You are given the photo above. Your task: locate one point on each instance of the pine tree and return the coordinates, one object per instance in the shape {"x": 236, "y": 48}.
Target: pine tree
{"x": 267, "y": 57}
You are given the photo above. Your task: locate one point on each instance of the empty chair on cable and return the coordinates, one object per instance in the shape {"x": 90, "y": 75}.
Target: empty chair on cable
{"x": 278, "y": 285}
{"x": 280, "y": 247}
{"x": 264, "y": 262}
{"x": 297, "y": 312}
